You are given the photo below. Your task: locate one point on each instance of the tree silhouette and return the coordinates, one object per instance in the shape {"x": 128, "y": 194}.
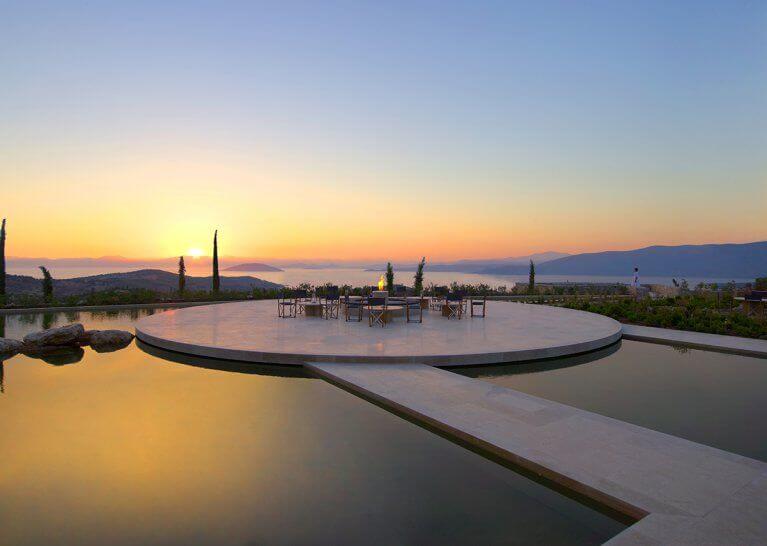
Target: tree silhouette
{"x": 418, "y": 285}
{"x": 216, "y": 278}
{"x": 2, "y": 262}
{"x": 181, "y": 276}
{"x": 389, "y": 278}
{"x": 47, "y": 285}
{"x": 531, "y": 281}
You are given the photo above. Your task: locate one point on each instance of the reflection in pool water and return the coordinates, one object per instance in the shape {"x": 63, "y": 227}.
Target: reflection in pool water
{"x": 712, "y": 398}
{"x": 128, "y": 448}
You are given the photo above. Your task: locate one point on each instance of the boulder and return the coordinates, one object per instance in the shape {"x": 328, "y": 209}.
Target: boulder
{"x": 66, "y": 335}
{"x": 58, "y": 355}
{"x": 85, "y": 338}
{"x": 10, "y": 346}
{"x": 103, "y": 341}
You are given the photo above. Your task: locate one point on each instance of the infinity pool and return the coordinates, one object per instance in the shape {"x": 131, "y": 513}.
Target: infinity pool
{"x": 708, "y": 397}
{"x": 128, "y": 448}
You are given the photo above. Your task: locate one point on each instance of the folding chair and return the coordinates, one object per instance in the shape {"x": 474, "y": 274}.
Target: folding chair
{"x": 464, "y": 300}
{"x": 438, "y": 298}
{"x": 480, "y": 305}
{"x": 332, "y": 303}
{"x": 286, "y": 305}
{"x": 454, "y": 306}
{"x": 377, "y": 311}
{"x": 302, "y": 296}
{"x": 350, "y": 305}
{"x": 414, "y": 304}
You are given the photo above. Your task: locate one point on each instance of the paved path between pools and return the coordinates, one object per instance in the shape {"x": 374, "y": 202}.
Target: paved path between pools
{"x": 681, "y": 492}
{"x": 711, "y": 342}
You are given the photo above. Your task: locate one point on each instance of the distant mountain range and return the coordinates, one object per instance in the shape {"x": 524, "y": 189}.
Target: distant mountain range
{"x": 739, "y": 261}
{"x": 120, "y": 261}
{"x": 253, "y": 267}
{"x": 477, "y": 266}
{"x": 724, "y": 261}
{"x": 150, "y": 279}
{"x": 171, "y": 263}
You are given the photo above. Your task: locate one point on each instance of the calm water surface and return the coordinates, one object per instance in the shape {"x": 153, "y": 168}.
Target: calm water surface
{"x": 126, "y": 448}
{"x": 711, "y": 398}
{"x": 359, "y": 277}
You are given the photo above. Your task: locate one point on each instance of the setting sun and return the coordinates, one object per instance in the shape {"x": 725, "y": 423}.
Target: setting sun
{"x": 194, "y": 252}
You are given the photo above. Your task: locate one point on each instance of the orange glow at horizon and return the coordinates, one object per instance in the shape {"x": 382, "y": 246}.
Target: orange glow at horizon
{"x": 267, "y": 211}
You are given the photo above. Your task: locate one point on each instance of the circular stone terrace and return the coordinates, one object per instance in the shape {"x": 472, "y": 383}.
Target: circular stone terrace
{"x": 252, "y": 332}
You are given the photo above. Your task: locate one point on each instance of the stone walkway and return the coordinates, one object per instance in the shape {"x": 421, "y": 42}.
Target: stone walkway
{"x": 682, "y": 492}
{"x": 711, "y": 342}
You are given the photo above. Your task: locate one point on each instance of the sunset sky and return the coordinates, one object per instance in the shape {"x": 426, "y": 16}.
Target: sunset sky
{"x": 381, "y": 130}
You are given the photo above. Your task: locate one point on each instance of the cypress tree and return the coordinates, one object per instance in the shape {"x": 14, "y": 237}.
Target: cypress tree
{"x": 531, "y": 282}
{"x": 418, "y": 285}
{"x": 389, "y": 278}
{"x": 2, "y": 262}
{"x": 181, "y": 276}
{"x": 47, "y": 285}
{"x": 216, "y": 278}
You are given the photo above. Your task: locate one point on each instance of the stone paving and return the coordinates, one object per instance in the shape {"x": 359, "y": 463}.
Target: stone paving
{"x": 252, "y": 332}
{"x": 710, "y": 342}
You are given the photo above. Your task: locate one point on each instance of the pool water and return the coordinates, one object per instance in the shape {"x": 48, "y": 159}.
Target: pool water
{"x": 127, "y": 448}
{"x": 708, "y": 397}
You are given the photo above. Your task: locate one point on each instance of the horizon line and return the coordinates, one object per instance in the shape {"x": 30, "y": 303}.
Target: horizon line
{"x": 117, "y": 257}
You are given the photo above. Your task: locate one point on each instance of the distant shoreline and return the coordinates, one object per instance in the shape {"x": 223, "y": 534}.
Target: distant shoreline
{"x": 360, "y": 277}
{"x": 252, "y": 268}
{"x": 115, "y": 307}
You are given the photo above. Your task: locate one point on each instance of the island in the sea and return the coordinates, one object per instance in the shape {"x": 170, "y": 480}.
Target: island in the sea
{"x": 253, "y": 267}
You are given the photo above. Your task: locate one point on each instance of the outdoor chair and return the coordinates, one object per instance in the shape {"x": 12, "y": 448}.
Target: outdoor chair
{"x": 438, "y": 298}
{"x": 413, "y": 307}
{"x": 377, "y": 311}
{"x": 454, "y": 306}
{"x": 332, "y": 303}
{"x": 286, "y": 305}
{"x": 302, "y": 296}
{"x": 478, "y": 307}
{"x": 350, "y": 305}
{"x": 756, "y": 295}
{"x": 464, "y": 300}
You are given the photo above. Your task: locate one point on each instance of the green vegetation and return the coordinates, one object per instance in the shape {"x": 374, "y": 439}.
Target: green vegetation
{"x": 47, "y": 285}
{"x": 418, "y": 284}
{"x": 216, "y": 278}
{"x": 2, "y": 262}
{"x": 389, "y": 278}
{"x": 531, "y": 281}
{"x": 181, "y": 276}
{"x": 708, "y": 312}
{"x": 761, "y": 283}
{"x": 704, "y": 309}
{"x": 140, "y": 296}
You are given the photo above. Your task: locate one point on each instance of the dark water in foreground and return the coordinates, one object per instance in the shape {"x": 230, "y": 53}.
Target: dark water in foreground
{"x": 125, "y": 448}
{"x": 707, "y": 397}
